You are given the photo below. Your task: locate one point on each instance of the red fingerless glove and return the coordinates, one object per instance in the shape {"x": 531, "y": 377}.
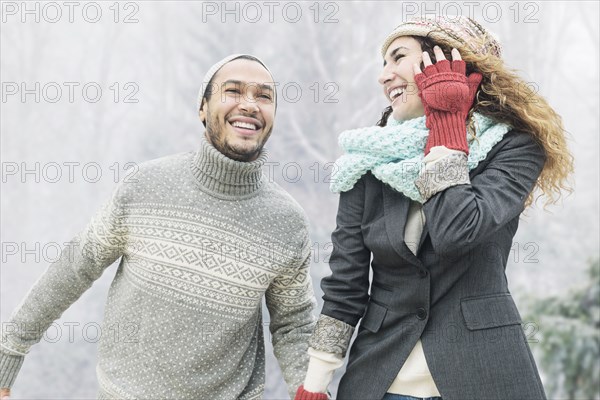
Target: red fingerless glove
{"x": 447, "y": 95}
{"x": 302, "y": 394}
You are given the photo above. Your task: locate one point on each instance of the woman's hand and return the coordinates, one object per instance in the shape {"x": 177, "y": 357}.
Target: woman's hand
{"x": 4, "y": 394}
{"x": 447, "y": 95}
{"x": 302, "y": 394}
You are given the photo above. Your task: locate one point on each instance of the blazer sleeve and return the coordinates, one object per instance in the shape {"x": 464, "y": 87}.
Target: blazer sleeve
{"x": 466, "y": 215}
{"x": 345, "y": 291}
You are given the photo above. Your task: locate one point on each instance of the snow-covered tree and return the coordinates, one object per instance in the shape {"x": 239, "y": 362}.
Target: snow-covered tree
{"x": 568, "y": 339}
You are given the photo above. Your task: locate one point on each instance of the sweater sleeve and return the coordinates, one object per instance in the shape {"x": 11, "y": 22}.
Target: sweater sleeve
{"x": 444, "y": 168}
{"x": 320, "y": 371}
{"x": 81, "y": 262}
{"x": 290, "y": 300}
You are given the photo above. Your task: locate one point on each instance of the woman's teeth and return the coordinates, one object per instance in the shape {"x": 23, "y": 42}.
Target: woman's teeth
{"x": 395, "y": 93}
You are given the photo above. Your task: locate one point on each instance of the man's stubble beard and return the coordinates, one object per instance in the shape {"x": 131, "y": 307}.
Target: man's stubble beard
{"x": 221, "y": 144}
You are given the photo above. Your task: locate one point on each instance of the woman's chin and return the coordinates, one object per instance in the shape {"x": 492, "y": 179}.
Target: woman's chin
{"x": 401, "y": 115}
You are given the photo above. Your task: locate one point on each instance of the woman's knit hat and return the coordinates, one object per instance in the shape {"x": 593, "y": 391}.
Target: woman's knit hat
{"x": 215, "y": 68}
{"x": 455, "y": 30}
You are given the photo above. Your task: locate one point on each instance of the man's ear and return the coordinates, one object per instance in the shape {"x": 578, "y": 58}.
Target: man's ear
{"x": 202, "y": 111}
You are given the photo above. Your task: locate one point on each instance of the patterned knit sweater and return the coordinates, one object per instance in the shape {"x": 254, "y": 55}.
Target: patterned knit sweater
{"x": 203, "y": 239}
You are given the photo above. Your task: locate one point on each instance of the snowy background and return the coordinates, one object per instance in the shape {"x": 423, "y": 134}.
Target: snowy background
{"x": 92, "y": 86}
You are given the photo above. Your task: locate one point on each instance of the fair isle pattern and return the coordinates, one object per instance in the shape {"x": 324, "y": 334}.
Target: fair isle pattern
{"x": 175, "y": 225}
{"x": 203, "y": 240}
{"x": 199, "y": 293}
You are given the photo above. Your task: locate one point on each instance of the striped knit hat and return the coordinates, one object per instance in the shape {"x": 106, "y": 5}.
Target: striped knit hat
{"x": 215, "y": 68}
{"x": 454, "y": 30}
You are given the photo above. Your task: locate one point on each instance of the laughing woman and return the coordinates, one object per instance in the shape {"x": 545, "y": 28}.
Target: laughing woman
{"x": 430, "y": 201}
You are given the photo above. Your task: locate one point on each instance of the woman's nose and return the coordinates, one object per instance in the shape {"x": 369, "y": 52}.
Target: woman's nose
{"x": 385, "y": 76}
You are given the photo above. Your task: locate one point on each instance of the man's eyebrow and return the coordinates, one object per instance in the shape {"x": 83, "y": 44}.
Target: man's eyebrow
{"x": 393, "y": 53}
{"x": 261, "y": 86}
{"x": 265, "y": 87}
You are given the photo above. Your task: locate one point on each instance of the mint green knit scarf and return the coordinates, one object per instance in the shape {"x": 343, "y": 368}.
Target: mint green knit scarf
{"x": 394, "y": 153}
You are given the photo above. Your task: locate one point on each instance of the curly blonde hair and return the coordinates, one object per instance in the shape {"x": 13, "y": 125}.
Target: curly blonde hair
{"x": 507, "y": 98}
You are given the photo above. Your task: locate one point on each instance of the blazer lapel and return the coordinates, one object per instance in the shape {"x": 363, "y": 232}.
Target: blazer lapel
{"x": 396, "y": 210}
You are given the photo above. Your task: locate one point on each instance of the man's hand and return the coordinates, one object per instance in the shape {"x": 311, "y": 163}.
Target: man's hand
{"x": 4, "y": 394}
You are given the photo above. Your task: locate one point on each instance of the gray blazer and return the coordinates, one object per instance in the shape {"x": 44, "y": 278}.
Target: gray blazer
{"x": 453, "y": 294}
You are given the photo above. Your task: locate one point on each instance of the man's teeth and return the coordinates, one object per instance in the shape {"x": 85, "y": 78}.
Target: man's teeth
{"x": 244, "y": 125}
{"x": 395, "y": 93}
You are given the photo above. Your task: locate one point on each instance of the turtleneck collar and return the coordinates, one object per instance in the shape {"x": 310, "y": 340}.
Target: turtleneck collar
{"x": 224, "y": 177}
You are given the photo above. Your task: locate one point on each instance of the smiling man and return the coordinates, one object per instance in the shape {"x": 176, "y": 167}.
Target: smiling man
{"x": 238, "y": 107}
{"x": 203, "y": 237}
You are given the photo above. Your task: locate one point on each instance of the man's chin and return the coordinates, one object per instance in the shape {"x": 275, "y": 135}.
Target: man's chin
{"x": 243, "y": 152}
